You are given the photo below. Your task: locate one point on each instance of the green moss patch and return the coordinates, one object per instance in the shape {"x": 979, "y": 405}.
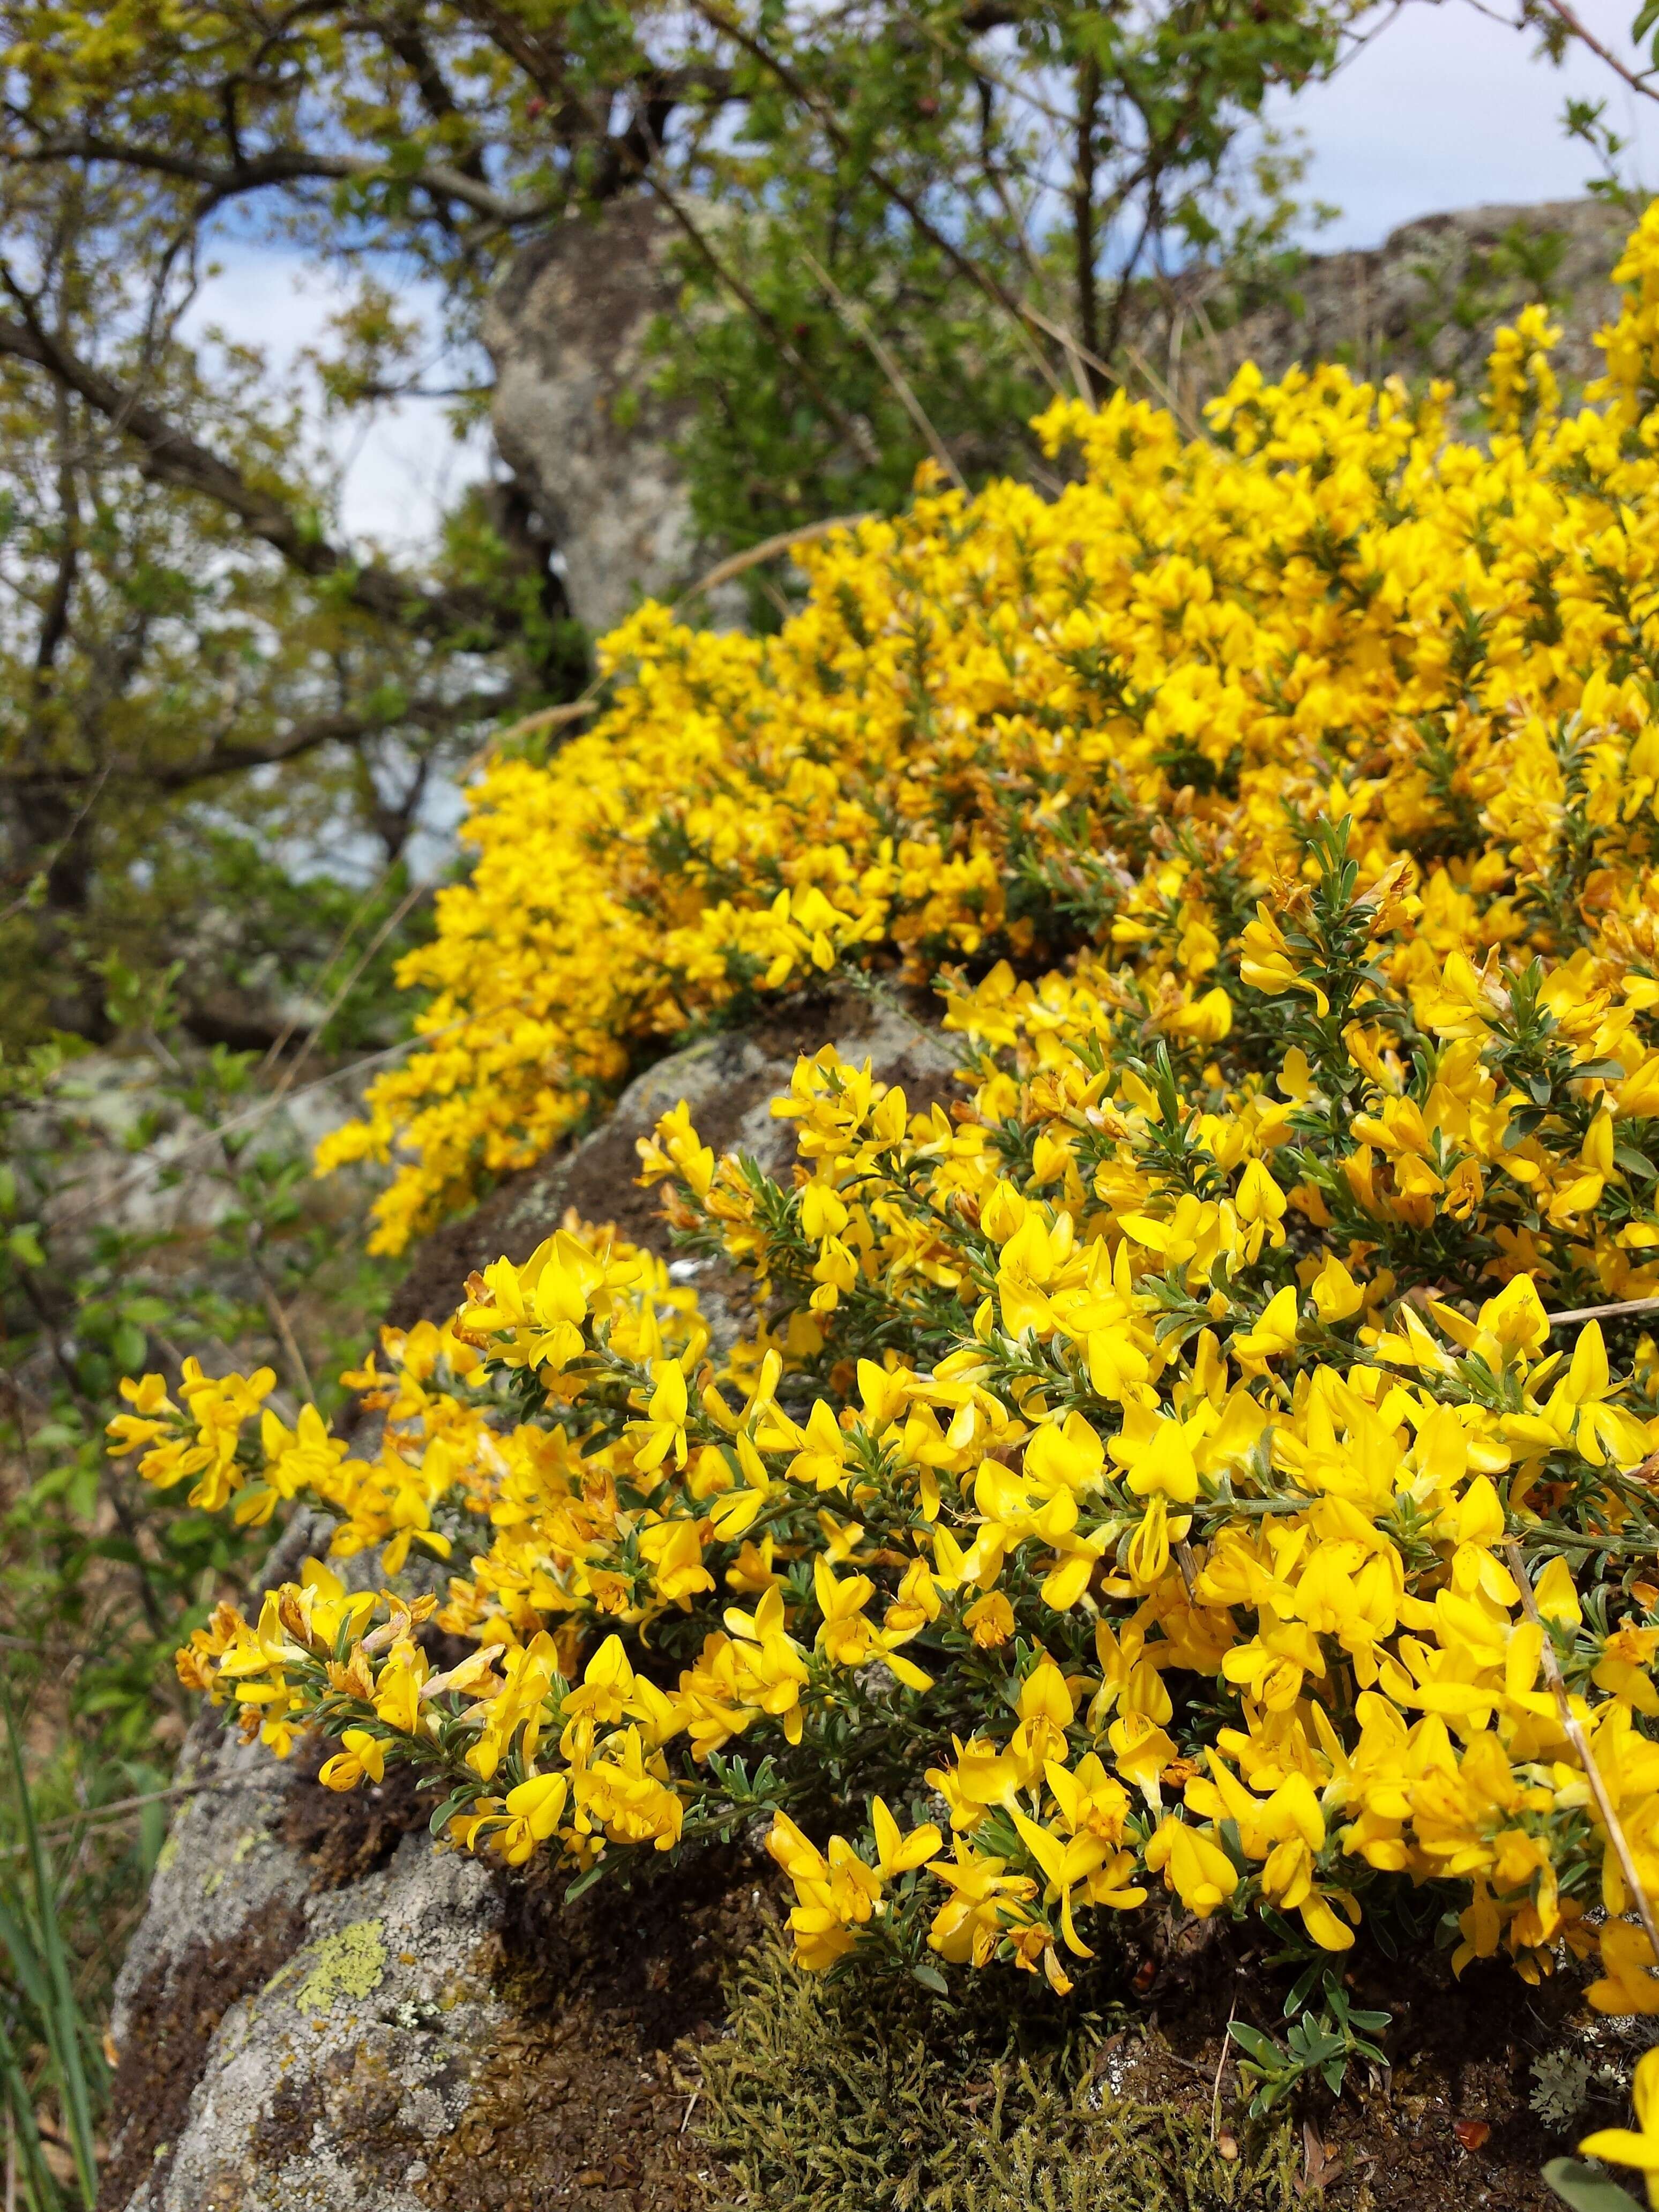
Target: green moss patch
{"x": 829, "y": 2097}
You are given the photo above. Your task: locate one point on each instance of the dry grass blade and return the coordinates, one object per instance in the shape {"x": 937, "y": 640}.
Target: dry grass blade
{"x": 862, "y": 329}
{"x": 1574, "y": 1730}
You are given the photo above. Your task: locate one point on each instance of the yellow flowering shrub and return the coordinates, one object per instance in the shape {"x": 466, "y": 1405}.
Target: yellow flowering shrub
{"x": 1190, "y": 1464}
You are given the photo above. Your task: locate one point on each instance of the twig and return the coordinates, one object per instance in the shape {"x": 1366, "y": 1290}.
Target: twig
{"x": 299, "y": 1373}
{"x": 1564, "y": 14}
{"x": 857, "y": 432}
{"x": 982, "y": 278}
{"x": 752, "y": 556}
{"x": 60, "y": 848}
{"x": 117, "y": 1809}
{"x": 1227, "y": 2053}
{"x": 411, "y": 899}
{"x": 252, "y": 1237}
{"x": 1574, "y": 1731}
{"x": 862, "y": 328}
{"x": 1602, "y": 1313}
{"x": 280, "y": 1041}
{"x": 557, "y": 717}
{"x": 1188, "y": 421}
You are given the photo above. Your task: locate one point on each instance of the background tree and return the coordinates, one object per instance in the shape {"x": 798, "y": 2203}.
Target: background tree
{"x": 903, "y": 228}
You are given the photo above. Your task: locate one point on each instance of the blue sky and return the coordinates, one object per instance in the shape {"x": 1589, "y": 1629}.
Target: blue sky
{"x": 1444, "y": 108}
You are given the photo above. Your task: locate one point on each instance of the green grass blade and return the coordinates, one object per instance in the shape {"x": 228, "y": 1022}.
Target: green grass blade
{"x": 64, "y": 2026}
{"x": 42, "y": 2187}
{"x": 18, "y": 1939}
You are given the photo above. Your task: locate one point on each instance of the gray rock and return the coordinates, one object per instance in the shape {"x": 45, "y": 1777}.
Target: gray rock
{"x": 324, "y": 2011}
{"x": 576, "y": 418}
{"x": 729, "y": 1081}
{"x": 1427, "y": 300}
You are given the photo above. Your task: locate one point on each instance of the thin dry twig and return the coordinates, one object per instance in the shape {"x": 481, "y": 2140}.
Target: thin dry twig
{"x": 253, "y": 1239}
{"x": 61, "y": 846}
{"x": 1602, "y": 1313}
{"x": 557, "y": 718}
{"x": 867, "y": 335}
{"x": 1573, "y": 1730}
{"x": 1227, "y": 2053}
{"x": 411, "y": 899}
{"x": 119, "y": 1808}
{"x": 251, "y": 1119}
{"x": 856, "y": 432}
{"x": 280, "y": 1043}
{"x": 983, "y": 279}
{"x": 752, "y": 556}
{"x": 1137, "y": 360}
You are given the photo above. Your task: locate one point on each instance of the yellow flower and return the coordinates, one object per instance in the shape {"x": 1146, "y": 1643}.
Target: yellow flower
{"x": 364, "y": 1754}
{"x": 1198, "y": 1871}
{"x": 1037, "y": 1354}
{"x": 1638, "y": 2146}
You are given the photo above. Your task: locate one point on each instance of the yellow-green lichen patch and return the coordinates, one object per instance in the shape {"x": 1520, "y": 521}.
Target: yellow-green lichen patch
{"x": 351, "y": 1963}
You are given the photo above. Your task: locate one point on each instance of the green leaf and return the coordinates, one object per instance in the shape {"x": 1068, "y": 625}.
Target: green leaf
{"x": 1260, "y": 2047}
{"x": 42, "y": 2186}
{"x": 451, "y": 1806}
{"x": 129, "y": 1346}
{"x": 1585, "y": 2189}
{"x": 24, "y": 1246}
{"x": 40, "y": 1948}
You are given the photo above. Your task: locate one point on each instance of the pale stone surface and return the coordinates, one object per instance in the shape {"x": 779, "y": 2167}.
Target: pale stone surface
{"x": 575, "y": 415}
{"x": 1428, "y": 300}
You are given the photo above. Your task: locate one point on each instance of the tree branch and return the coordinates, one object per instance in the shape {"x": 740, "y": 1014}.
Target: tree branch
{"x": 169, "y": 455}
{"x": 981, "y": 277}
{"x": 343, "y": 728}
{"x": 1578, "y": 29}
{"x": 283, "y": 164}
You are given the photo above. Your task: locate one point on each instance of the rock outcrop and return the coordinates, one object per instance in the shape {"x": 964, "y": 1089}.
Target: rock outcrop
{"x": 591, "y": 443}
{"x": 1427, "y": 300}
{"x": 323, "y": 2009}
{"x": 323, "y": 2012}
{"x": 575, "y": 414}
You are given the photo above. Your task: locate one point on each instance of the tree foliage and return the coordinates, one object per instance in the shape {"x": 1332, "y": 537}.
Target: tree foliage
{"x": 901, "y": 229}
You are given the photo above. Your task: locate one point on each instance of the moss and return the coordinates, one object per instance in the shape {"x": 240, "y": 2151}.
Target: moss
{"x": 351, "y": 1963}
{"x": 826, "y": 2098}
